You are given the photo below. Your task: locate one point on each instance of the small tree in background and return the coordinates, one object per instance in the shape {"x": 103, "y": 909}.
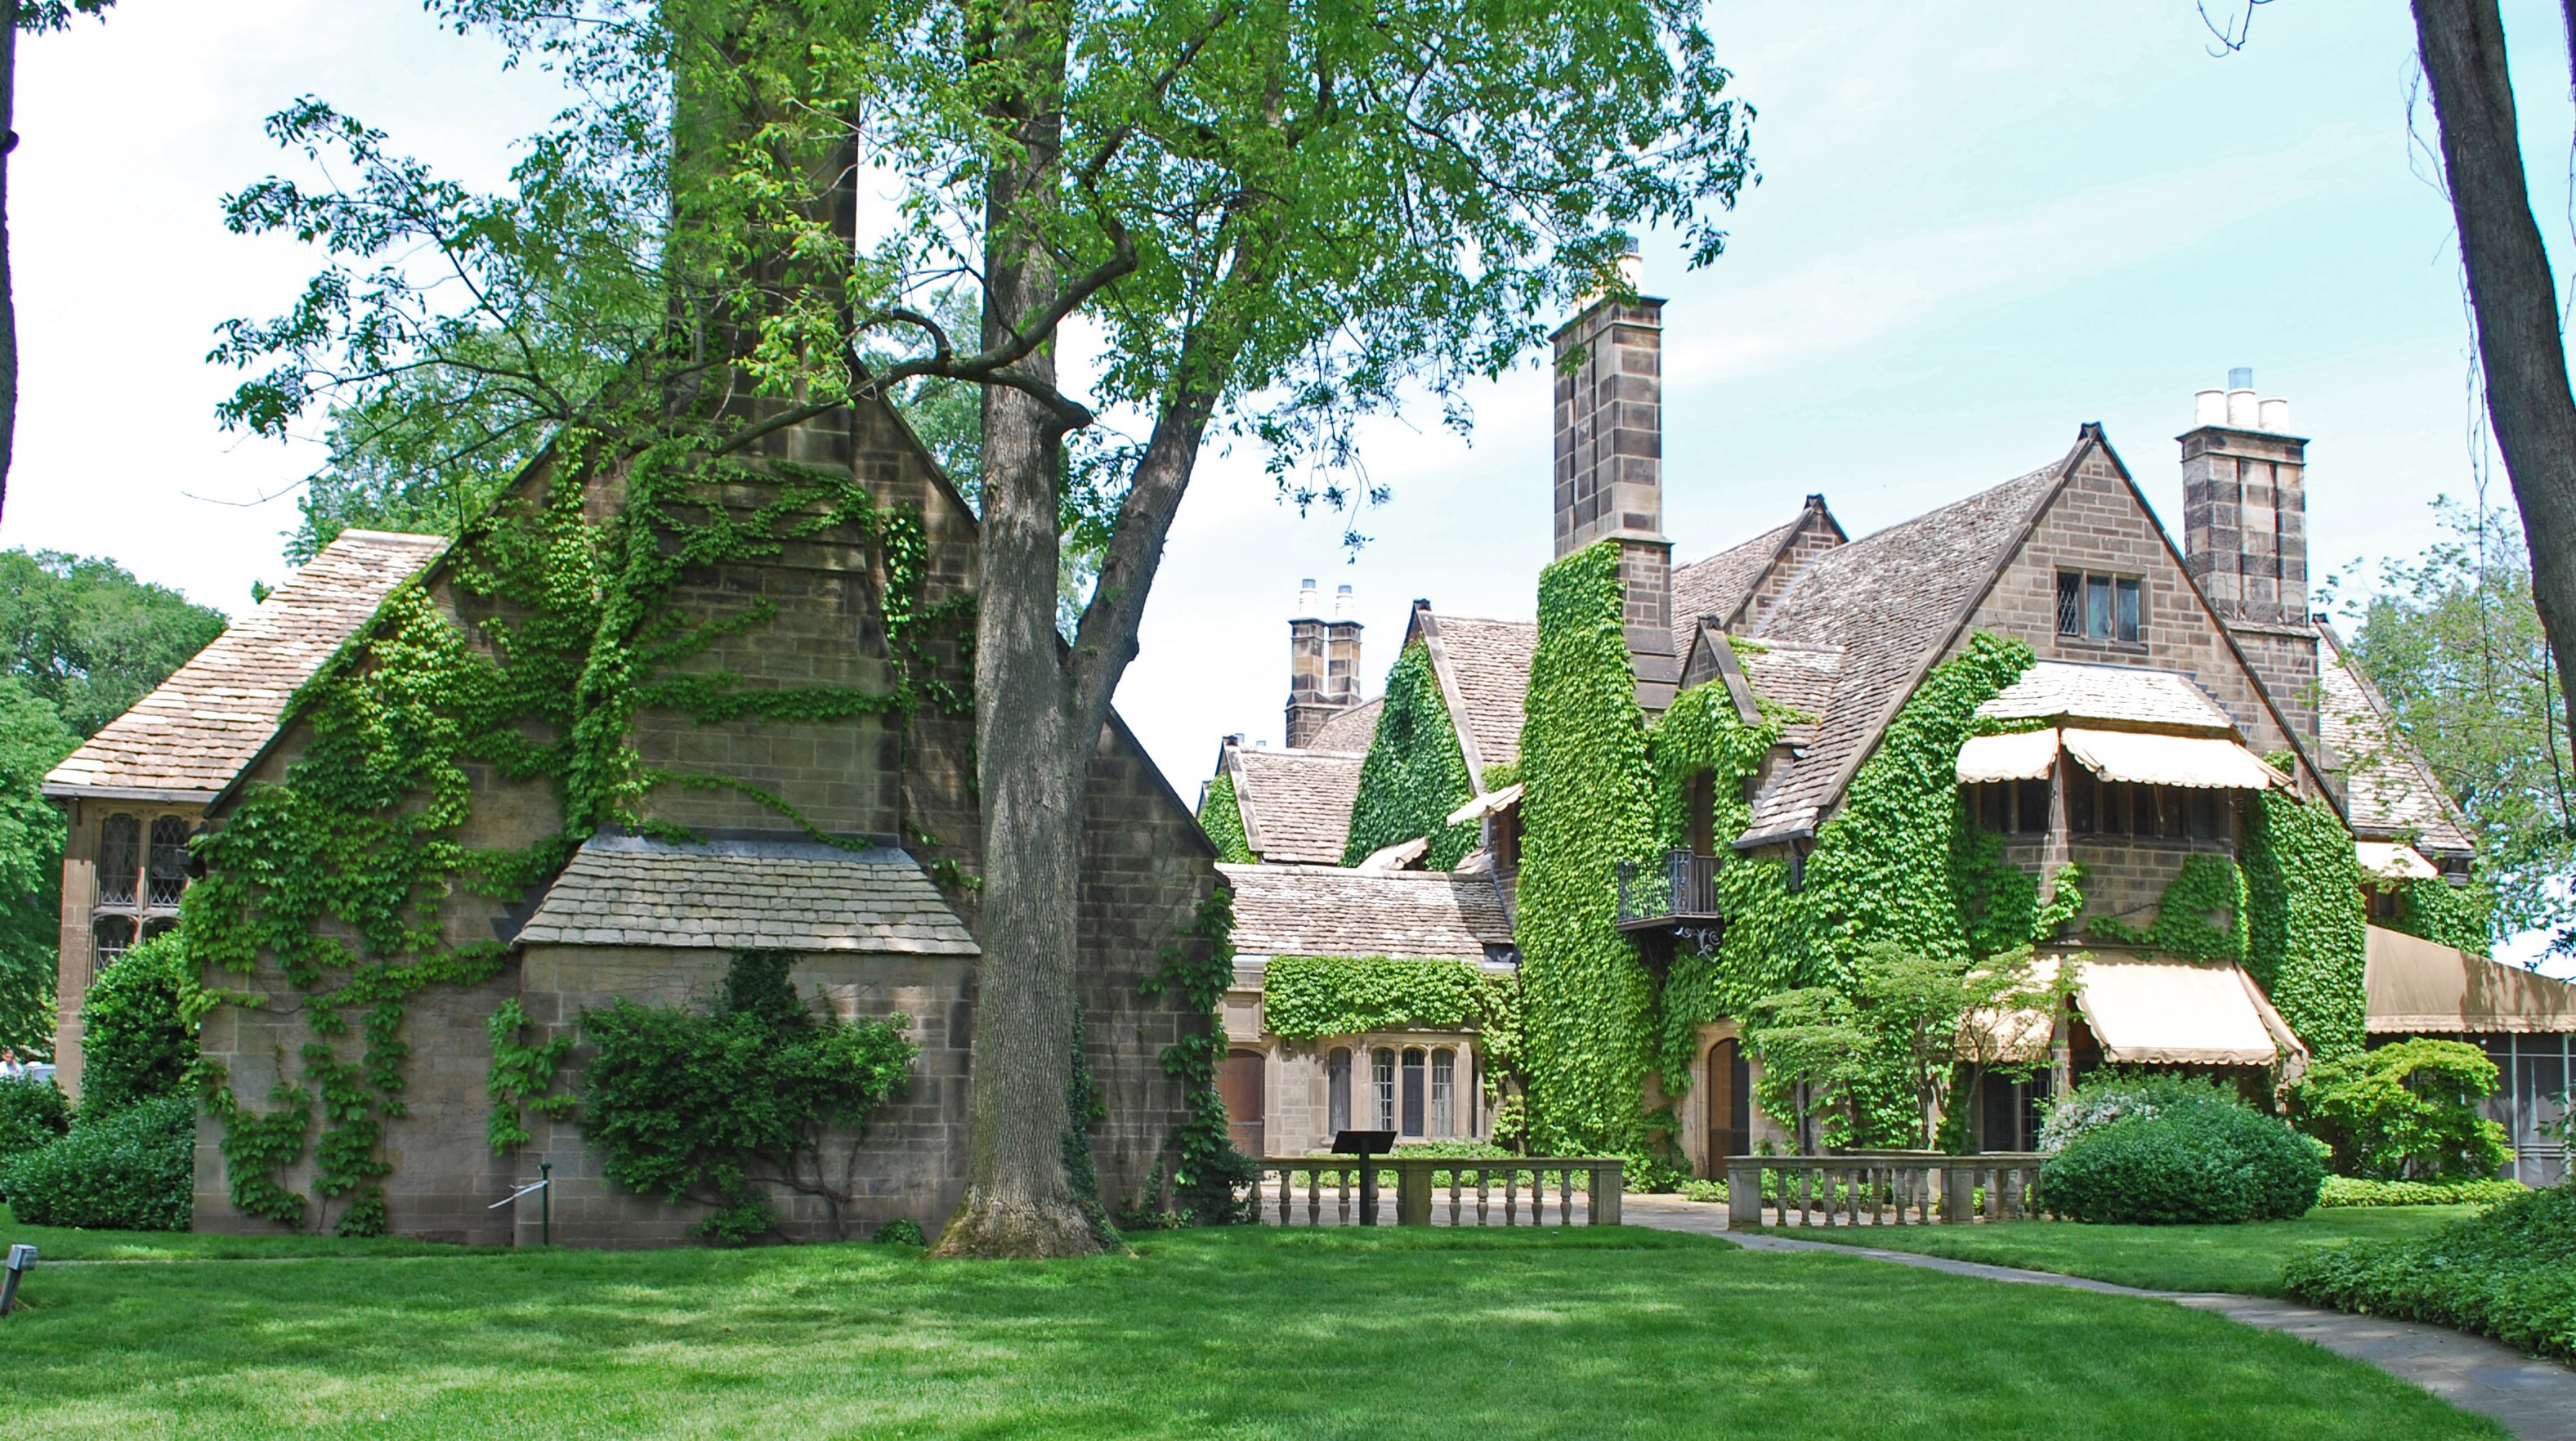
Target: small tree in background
{"x": 2404, "y": 1112}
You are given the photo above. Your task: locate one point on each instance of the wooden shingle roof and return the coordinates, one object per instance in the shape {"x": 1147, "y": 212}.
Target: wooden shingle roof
{"x": 745, "y": 895}
{"x": 1484, "y": 666}
{"x": 189, "y": 737}
{"x": 1296, "y": 804}
{"x": 1891, "y": 601}
{"x": 1327, "y": 911}
{"x": 2389, "y": 791}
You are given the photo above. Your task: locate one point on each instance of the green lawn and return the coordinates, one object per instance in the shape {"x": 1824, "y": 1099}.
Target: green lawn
{"x": 1248, "y": 1333}
{"x": 66, "y": 1243}
{"x": 2245, "y": 1259}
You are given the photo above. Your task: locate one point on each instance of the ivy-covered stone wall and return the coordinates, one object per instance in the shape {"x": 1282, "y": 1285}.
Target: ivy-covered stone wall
{"x": 1221, "y": 818}
{"x": 1415, "y": 774}
{"x": 624, "y": 654}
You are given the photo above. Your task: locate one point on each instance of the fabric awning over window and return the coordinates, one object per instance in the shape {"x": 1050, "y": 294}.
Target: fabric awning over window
{"x": 1491, "y": 803}
{"x": 2023, "y": 757}
{"x": 2391, "y": 861}
{"x": 2201, "y": 762}
{"x": 2178, "y": 1013}
{"x": 2420, "y": 987}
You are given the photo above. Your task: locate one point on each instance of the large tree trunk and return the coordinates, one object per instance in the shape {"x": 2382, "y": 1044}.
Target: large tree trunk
{"x": 2513, "y": 294}
{"x": 8, "y": 295}
{"x": 1032, "y": 755}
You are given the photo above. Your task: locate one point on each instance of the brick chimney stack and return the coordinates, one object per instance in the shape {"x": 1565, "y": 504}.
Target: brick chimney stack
{"x": 2245, "y": 506}
{"x": 1610, "y": 469}
{"x": 1323, "y": 663}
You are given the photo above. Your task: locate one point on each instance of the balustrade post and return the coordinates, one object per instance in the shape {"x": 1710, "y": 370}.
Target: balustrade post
{"x": 1958, "y": 1194}
{"x": 1606, "y": 1189}
{"x": 1743, "y": 1192}
{"x": 1413, "y": 1193}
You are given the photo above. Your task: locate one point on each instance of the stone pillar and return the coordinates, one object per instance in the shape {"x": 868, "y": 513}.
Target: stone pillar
{"x": 2245, "y": 508}
{"x": 1323, "y": 663}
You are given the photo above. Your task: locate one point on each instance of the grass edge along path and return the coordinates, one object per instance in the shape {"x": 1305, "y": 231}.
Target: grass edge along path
{"x": 2244, "y": 1259}
{"x": 1617, "y": 1331}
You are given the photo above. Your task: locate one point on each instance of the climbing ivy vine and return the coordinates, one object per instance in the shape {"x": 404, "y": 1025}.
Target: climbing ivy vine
{"x": 2459, "y": 916}
{"x": 1415, "y": 774}
{"x": 1702, "y": 740}
{"x": 1588, "y": 1002}
{"x": 2207, "y": 885}
{"x": 336, "y": 873}
{"x": 2304, "y": 922}
{"x": 1307, "y": 997}
{"x": 1221, "y": 820}
{"x": 1206, "y": 1169}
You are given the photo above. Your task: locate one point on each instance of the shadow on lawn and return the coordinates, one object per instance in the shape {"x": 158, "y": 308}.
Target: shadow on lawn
{"x": 1312, "y": 1334}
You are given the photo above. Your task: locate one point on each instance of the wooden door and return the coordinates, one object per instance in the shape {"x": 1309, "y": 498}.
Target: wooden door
{"x": 1729, "y": 1102}
{"x": 1239, "y": 1085}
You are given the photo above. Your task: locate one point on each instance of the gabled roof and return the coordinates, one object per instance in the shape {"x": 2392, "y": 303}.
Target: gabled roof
{"x": 2389, "y": 790}
{"x": 1483, "y": 665}
{"x": 1327, "y": 911}
{"x": 745, "y": 896}
{"x": 1723, "y": 585}
{"x": 1892, "y": 602}
{"x": 1296, "y": 804}
{"x": 189, "y": 737}
{"x": 1352, "y": 730}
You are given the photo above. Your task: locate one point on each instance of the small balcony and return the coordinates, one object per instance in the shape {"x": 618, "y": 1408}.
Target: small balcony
{"x": 1676, "y": 892}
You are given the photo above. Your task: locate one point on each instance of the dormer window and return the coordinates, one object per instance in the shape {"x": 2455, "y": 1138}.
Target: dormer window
{"x": 2095, "y": 606}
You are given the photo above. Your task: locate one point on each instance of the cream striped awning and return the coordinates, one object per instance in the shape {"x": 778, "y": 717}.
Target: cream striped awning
{"x": 2139, "y": 757}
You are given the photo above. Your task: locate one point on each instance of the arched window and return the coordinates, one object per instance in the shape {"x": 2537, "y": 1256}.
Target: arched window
{"x": 114, "y": 936}
{"x": 1444, "y": 1094}
{"x": 120, "y": 860}
{"x": 168, "y": 874}
{"x": 1337, "y": 1088}
{"x": 1382, "y": 1072}
{"x": 1413, "y": 1089}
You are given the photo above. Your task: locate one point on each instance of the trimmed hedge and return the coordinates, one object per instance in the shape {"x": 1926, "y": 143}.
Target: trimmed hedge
{"x": 2509, "y": 1273}
{"x": 2192, "y": 1165}
{"x": 32, "y": 1115}
{"x": 136, "y": 1043}
{"x": 2353, "y": 1191}
{"x": 134, "y": 1170}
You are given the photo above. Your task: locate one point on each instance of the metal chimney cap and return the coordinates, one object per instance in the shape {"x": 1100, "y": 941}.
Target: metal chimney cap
{"x": 2240, "y": 377}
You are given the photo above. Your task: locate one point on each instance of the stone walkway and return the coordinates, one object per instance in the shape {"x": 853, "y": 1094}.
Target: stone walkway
{"x": 2531, "y": 1398}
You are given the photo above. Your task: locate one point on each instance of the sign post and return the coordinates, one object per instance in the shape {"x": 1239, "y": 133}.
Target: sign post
{"x": 1365, "y": 1144}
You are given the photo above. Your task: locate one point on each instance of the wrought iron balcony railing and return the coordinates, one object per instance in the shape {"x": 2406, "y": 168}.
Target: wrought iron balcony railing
{"x": 1680, "y": 889}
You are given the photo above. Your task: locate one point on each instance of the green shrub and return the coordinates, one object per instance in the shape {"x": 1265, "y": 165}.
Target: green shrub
{"x": 2107, "y": 1096}
{"x": 2509, "y": 1273}
{"x": 2352, "y": 1191}
{"x": 901, "y": 1231}
{"x": 2186, "y": 1165}
{"x": 2404, "y": 1111}
{"x": 714, "y": 1106}
{"x": 136, "y": 1043}
{"x": 32, "y": 1114}
{"x": 128, "y": 1170}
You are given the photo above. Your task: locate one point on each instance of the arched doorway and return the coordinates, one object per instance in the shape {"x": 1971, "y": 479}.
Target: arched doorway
{"x": 1239, "y": 1085}
{"x": 1729, "y": 1099}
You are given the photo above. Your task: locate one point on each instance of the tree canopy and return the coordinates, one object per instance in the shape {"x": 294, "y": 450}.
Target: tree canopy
{"x": 2453, "y": 641}
{"x": 82, "y": 633}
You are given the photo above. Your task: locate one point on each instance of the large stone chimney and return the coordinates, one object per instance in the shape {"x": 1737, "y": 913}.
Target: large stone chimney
{"x": 1610, "y": 470}
{"x": 2245, "y": 534}
{"x": 2245, "y": 506}
{"x": 1323, "y": 663}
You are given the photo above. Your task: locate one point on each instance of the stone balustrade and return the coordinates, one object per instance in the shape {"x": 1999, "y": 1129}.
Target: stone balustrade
{"x": 1440, "y": 1191}
{"x": 1881, "y": 1188}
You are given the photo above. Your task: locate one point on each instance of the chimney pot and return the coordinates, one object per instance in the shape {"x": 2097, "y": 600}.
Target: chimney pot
{"x": 2209, "y": 407}
{"x": 1342, "y": 603}
{"x": 2240, "y": 377}
{"x": 2241, "y": 410}
{"x": 2276, "y": 415}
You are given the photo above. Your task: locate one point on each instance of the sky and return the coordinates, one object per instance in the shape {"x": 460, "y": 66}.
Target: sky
{"x": 1979, "y": 226}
